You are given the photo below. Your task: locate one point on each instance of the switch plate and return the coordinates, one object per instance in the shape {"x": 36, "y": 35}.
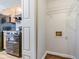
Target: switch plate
{"x": 58, "y": 33}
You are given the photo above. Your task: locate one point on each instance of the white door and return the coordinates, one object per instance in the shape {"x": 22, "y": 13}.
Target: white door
{"x": 64, "y": 22}
{"x": 56, "y": 22}
{"x": 61, "y": 18}
{"x": 57, "y": 17}
{"x": 28, "y": 29}
{"x": 71, "y": 32}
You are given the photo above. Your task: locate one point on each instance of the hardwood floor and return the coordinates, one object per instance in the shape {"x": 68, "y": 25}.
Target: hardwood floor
{"x": 4, "y": 55}
{"x": 55, "y": 57}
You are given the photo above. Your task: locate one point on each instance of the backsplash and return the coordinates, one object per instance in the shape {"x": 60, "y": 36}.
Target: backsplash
{"x": 7, "y": 26}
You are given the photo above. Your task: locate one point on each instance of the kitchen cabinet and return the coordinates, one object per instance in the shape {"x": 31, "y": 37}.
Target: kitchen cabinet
{"x": 1, "y": 41}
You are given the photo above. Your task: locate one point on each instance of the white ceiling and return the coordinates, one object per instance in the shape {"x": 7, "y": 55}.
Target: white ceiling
{"x": 9, "y": 3}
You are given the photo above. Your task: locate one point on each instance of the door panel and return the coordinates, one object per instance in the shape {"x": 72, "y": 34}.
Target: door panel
{"x": 56, "y": 22}
{"x": 28, "y": 29}
{"x": 26, "y": 8}
{"x": 26, "y": 37}
{"x": 71, "y": 32}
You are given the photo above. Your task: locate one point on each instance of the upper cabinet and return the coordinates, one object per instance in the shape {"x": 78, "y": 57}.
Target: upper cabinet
{"x": 12, "y": 9}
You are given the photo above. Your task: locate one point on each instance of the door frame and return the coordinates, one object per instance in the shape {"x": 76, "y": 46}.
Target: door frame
{"x": 31, "y": 18}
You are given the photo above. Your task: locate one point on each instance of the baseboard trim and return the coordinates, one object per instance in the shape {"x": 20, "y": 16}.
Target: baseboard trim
{"x": 44, "y": 55}
{"x": 59, "y": 54}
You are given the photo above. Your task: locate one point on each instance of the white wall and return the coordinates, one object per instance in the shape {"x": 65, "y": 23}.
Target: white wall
{"x": 41, "y": 12}
{"x": 77, "y": 33}
{"x": 61, "y": 16}
{"x": 77, "y": 37}
{"x": 59, "y": 13}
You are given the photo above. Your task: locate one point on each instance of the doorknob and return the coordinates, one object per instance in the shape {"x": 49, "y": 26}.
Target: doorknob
{"x": 66, "y": 38}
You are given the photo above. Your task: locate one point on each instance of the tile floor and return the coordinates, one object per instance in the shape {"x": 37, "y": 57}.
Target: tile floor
{"x": 4, "y": 55}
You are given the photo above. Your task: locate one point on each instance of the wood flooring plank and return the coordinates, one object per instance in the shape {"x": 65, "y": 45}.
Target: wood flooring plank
{"x": 49, "y": 56}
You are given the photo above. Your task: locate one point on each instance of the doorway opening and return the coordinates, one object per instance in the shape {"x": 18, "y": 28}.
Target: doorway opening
{"x": 10, "y": 29}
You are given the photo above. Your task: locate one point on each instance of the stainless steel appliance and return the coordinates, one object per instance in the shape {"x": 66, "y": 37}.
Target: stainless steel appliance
{"x": 14, "y": 43}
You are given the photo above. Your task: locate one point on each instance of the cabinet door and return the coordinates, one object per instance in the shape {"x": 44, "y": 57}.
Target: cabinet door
{"x": 28, "y": 30}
